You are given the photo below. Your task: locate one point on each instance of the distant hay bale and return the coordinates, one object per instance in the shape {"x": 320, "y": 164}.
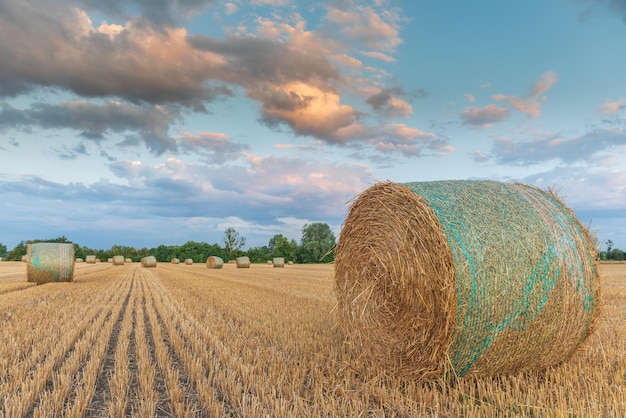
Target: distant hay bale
{"x": 148, "y": 261}
{"x": 242, "y": 262}
{"x": 232, "y": 261}
{"x": 110, "y": 260}
{"x": 175, "y": 261}
{"x": 90, "y": 259}
{"x": 278, "y": 262}
{"x": 24, "y": 258}
{"x": 118, "y": 260}
{"x": 50, "y": 262}
{"x": 79, "y": 260}
{"x": 128, "y": 260}
{"x": 214, "y": 262}
{"x": 188, "y": 261}
{"x": 269, "y": 261}
{"x": 463, "y": 278}
{"x": 290, "y": 263}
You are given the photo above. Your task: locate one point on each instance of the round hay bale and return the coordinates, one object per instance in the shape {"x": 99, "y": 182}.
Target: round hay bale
{"x": 188, "y": 261}
{"x": 175, "y": 261}
{"x": 463, "y": 277}
{"x": 290, "y": 263}
{"x": 148, "y": 261}
{"x": 90, "y": 259}
{"x": 269, "y": 261}
{"x": 242, "y": 262}
{"x": 25, "y": 258}
{"x": 128, "y": 260}
{"x": 118, "y": 260}
{"x": 278, "y": 262}
{"x": 79, "y": 260}
{"x": 232, "y": 261}
{"x": 50, "y": 262}
{"x": 110, "y": 260}
{"x": 214, "y": 262}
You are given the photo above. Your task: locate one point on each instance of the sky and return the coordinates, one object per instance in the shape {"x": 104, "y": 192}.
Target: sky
{"x": 148, "y": 122}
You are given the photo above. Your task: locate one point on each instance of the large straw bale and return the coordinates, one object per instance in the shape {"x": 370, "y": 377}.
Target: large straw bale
{"x": 148, "y": 261}
{"x": 278, "y": 261}
{"x": 214, "y": 262}
{"x": 50, "y": 262}
{"x": 175, "y": 261}
{"x": 118, "y": 260}
{"x": 188, "y": 261}
{"x": 242, "y": 262}
{"x": 463, "y": 277}
{"x": 90, "y": 259}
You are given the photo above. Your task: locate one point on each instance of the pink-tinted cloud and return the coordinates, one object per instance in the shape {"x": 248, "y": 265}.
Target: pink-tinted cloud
{"x": 375, "y": 30}
{"x": 531, "y": 104}
{"x": 612, "y": 107}
{"x": 484, "y": 117}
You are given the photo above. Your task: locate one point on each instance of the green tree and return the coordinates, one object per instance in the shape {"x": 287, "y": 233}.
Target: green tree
{"x": 3, "y": 251}
{"x": 233, "y": 241}
{"x": 317, "y": 243}
{"x": 280, "y": 246}
{"x": 17, "y": 252}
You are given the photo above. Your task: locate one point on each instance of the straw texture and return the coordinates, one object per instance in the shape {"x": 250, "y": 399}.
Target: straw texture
{"x": 90, "y": 259}
{"x": 214, "y": 262}
{"x": 118, "y": 260}
{"x": 464, "y": 277}
{"x": 188, "y": 261}
{"x": 175, "y": 261}
{"x": 278, "y": 261}
{"x": 50, "y": 262}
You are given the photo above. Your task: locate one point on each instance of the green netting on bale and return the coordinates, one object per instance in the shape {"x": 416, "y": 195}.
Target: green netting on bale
{"x": 525, "y": 273}
{"x": 50, "y": 262}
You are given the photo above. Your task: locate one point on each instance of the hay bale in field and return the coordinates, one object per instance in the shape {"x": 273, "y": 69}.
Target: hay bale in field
{"x": 188, "y": 261}
{"x": 464, "y": 277}
{"x": 50, "y": 262}
{"x": 290, "y": 263}
{"x": 278, "y": 262}
{"x": 79, "y": 260}
{"x": 269, "y": 261}
{"x": 175, "y": 261}
{"x": 148, "y": 261}
{"x": 128, "y": 260}
{"x": 214, "y": 262}
{"x": 242, "y": 262}
{"x": 232, "y": 261}
{"x": 118, "y": 260}
{"x": 90, "y": 259}
{"x": 110, "y": 260}
{"x": 24, "y": 258}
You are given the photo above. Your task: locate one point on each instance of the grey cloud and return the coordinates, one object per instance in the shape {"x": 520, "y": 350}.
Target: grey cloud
{"x": 63, "y": 53}
{"x": 485, "y": 116}
{"x": 157, "y": 11}
{"x": 150, "y": 125}
{"x": 566, "y": 150}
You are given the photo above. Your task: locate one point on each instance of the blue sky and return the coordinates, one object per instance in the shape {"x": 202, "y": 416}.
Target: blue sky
{"x": 142, "y": 122}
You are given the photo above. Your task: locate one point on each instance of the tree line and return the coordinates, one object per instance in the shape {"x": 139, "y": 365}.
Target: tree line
{"x": 317, "y": 245}
{"x": 612, "y": 253}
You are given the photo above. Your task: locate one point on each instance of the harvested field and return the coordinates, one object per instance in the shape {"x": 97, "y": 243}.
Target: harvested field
{"x": 190, "y": 341}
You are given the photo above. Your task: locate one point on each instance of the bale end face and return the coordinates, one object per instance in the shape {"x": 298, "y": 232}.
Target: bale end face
{"x": 395, "y": 283}
{"x": 242, "y": 262}
{"x": 214, "y": 262}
